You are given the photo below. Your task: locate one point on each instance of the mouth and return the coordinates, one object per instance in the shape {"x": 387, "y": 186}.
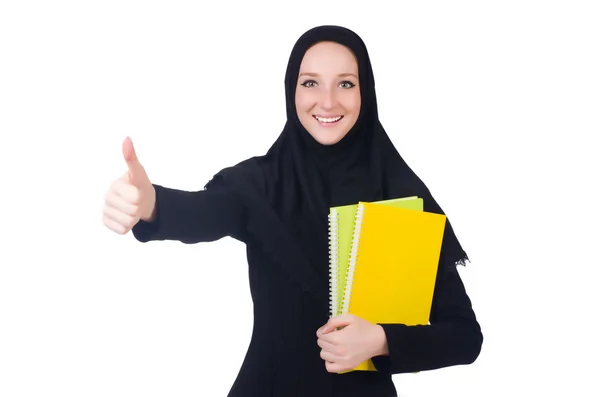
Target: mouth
{"x": 327, "y": 121}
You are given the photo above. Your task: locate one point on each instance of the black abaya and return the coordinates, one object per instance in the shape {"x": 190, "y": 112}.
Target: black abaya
{"x": 277, "y": 204}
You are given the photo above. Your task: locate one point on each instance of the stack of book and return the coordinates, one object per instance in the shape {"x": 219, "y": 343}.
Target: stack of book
{"x": 383, "y": 260}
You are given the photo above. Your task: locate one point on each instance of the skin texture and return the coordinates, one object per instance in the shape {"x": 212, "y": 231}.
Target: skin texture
{"x": 328, "y": 86}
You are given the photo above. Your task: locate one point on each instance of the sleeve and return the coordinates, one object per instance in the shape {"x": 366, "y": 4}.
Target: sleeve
{"x": 453, "y": 336}
{"x": 192, "y": 217}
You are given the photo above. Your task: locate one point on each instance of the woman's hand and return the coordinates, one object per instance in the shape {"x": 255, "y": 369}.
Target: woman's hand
{"x": 131, "y": 197}
{"x": 357, "y": 341}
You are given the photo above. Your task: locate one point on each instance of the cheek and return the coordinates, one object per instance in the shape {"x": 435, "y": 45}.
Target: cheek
{"x": 304, "y": 108}
{"x": 355, "y": 104}
{"x": 303, "y": 103}
{"x": 352, "y": 103}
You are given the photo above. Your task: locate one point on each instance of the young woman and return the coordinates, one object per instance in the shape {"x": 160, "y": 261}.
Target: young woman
{"x": 332, "y": 151}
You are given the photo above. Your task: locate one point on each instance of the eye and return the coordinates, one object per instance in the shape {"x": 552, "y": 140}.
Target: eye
{"x": 309, "y": 83}
{"x": 347, "y": 84}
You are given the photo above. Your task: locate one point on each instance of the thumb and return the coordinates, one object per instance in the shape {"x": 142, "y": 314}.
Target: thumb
{"x": 135, "y": 168}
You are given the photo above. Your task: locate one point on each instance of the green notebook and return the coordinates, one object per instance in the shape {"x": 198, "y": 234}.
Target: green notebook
{"x": 341, "y": 234}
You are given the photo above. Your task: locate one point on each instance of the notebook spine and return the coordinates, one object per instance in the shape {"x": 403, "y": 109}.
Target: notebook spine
{"x": 334, "y": 277}
{"x": 353, "y": 257}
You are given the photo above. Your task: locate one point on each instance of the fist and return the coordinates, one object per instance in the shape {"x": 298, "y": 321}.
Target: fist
{"x": 130, "y": 197}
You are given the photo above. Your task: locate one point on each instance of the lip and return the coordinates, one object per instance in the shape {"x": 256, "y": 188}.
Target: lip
{"x": 328, "y": 125}
{"x": 328, "y": 116}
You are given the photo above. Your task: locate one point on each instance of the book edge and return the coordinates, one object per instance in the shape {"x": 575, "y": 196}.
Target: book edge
{"x": 333, "y": 263}
{"x": 353, "y": 257}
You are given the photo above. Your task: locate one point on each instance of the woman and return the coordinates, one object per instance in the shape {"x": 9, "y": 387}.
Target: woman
{"x": 332, "y": 151}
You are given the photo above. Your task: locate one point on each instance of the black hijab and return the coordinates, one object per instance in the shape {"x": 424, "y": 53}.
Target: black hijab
{"x": 288, "y": 191}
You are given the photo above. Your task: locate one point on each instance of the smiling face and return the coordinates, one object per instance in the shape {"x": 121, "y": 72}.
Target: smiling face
{"x": 328, "y": 94}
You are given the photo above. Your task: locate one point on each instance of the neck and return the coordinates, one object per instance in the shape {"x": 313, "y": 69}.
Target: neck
{"x": 342, "y": 154}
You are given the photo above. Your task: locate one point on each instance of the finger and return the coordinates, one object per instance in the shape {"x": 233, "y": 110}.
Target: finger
{"x": 340, "y": 321}
{"x": 328, "y": 356}
{"x": 135, "y": 168}
{"x": 325, "y": 329}
{"x": 324, "y": 344}
{"x": 119, "y": 217}
{"x": 114, "y": 225}
{"x": 331, "y": 338}
{"x": 333, "y": 367}
{"x": 119, "y": 203}
{"x": 327, "y": 332}
{"x": 127, "y": 191}
{"x": 320, "y": 331}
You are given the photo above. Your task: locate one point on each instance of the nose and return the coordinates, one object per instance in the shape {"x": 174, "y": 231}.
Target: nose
{"x": 328, "y": 99}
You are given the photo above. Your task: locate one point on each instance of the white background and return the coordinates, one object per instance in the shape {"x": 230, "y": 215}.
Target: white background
{"x": 494, "y": 104}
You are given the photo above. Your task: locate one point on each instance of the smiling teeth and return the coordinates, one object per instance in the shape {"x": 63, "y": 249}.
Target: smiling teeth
{"x": 328, "y": 119}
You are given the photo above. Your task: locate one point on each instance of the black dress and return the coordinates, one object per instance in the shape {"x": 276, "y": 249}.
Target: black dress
{"x": 453, "y": 338}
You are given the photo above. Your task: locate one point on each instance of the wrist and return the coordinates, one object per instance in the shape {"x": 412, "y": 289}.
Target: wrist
{"x": 381, "y": 345}
{"x": 152, "y": 217}
{"x": 150, "y": 213}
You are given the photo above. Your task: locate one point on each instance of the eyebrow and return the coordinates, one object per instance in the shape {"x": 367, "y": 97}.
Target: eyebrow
{"x": 317, "y": 75}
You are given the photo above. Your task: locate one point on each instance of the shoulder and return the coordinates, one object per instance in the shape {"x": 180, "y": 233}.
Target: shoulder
{"x": 250, "y": 174}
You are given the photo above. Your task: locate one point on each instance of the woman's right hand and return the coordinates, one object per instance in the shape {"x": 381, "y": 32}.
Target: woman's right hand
{"x": 130, "y": 197}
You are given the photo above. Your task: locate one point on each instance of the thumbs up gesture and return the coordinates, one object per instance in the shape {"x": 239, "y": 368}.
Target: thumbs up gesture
{"x": 130, "y": 197}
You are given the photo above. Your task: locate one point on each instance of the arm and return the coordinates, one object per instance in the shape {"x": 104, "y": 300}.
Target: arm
{"x": 453, "y": 337}
{"x": 192, "y": 217}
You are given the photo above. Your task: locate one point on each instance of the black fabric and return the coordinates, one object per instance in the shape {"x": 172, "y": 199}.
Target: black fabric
{"x": 301, "y": 179}
{"x": 281, "y": 201}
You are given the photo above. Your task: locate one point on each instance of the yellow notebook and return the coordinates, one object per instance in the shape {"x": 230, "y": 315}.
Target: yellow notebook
{"x": 393, "y": 266}
{"x": 342, "y": 220}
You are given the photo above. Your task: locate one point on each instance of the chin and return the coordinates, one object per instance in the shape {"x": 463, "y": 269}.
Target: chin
{"x": 328, "y": 139}
{"x": 326, "y": 136}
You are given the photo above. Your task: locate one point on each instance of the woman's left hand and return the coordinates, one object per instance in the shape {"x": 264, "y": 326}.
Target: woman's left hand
{"x": 357, "y": 341}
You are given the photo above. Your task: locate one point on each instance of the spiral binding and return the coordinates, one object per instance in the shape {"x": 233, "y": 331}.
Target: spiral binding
{"x": 334, "y": 276}
{"x": 353, "y": 258}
